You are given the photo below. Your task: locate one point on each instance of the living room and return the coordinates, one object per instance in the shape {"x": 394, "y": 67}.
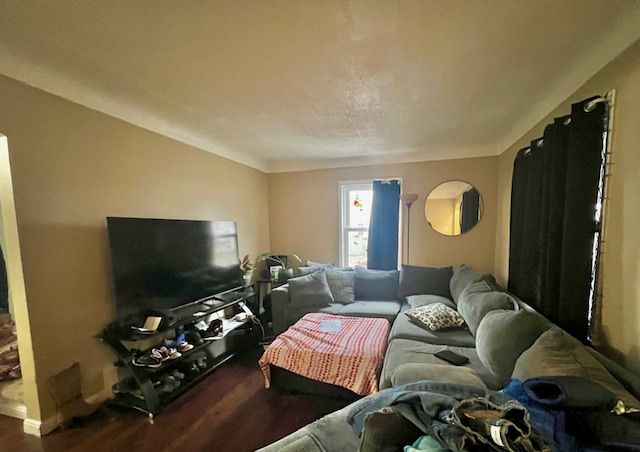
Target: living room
{"x": 257, "y": 112}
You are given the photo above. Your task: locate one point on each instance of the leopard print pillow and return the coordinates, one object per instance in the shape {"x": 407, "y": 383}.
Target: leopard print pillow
{"x": 435, "y": 316}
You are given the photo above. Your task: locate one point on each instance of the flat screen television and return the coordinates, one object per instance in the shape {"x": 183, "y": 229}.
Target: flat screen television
{"x": 161, "y": 265}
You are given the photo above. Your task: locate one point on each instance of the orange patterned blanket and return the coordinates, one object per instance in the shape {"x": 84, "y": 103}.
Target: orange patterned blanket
{"x": 344, "y": 351}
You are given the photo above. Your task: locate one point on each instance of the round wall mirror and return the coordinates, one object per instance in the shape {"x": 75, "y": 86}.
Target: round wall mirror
{"x": 453, "y": 208}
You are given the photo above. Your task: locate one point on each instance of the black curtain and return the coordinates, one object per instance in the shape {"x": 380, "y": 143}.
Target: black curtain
{"x": 470, "y": 207}
{"x": 553, "y": 217}
{"x": 4, "y": 286}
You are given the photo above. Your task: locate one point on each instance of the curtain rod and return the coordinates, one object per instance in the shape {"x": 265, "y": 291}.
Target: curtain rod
{"x": 588, "y": 107}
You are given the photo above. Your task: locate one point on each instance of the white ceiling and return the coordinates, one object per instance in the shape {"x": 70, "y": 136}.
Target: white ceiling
{"x": 286, "y": 85}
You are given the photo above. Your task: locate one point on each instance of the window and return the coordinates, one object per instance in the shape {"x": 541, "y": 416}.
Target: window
{"x": 356, "y": 198}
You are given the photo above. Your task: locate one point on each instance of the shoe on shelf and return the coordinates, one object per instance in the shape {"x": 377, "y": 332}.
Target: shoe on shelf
{"x": 214, "y": 331}
{"x": 193, "y": 337}
{"x": 161, "y": 353}
{"x": 177, "y": 374}
{"x": 202, "y": 363}
{"x": 146, "y": 360}
{"x": 184, "y": 346}
{"x": 166, "y": 353}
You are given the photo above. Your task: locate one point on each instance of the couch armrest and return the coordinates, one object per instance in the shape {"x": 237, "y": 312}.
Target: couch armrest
{"x": 280, "y": 303}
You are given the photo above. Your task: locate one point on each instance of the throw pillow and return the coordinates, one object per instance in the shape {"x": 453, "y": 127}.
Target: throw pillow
{"x": 557, "y": 354}
{"x": 463, "y": 276}
{"x": 478, "y": 299}
{"x": 310, "y": 290}
{"x": 342, "y": 285}
{"x": 376, "y": 284}
{"x": 503, "y": 335}
{"x": 416, "y": 301}
{"x": 425, "y": 280}
{"x": 435, "y": 316}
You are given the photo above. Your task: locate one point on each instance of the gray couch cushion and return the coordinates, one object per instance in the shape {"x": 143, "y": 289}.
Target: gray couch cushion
{"x": 424, "y": 280}
{"x": 556, "y": 353}
{"x": 332, "y": 432}
{"x": 412, "y": 372}
{"x": 479, "y": 298}
{"x": 415, "y": 301}
{"x": 401, "y": 351}
{"x": 376, "y": 284}
{"x": 310, "y": 290}
{"x": 462, "y": 277}
{"x": 304, "y": 271}
{"x": 502, "y": 337}
{"x": 404, "y": 328}
{"x": 320, "y": 264}
{"x": 342, "y": 285}
{"x": 371, "y": 308}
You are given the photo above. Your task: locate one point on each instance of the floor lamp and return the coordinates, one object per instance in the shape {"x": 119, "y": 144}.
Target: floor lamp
{"x": 408, "y": 199}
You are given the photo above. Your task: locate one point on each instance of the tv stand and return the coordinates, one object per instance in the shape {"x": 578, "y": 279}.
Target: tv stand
{"x": 138, "y": 387}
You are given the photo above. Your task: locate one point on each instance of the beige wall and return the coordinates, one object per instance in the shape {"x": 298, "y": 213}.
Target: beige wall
{"x": 304, "y": 211}
{"x": 72, "y": 167}
{"x": 619, "y": 320}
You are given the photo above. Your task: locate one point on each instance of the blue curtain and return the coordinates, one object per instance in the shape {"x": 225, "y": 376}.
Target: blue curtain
{"x": 383, "y": 228}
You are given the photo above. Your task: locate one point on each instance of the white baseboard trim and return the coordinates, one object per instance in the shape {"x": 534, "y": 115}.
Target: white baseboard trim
{"x": 41, "y": 428}
{"x": 13, "y": 409}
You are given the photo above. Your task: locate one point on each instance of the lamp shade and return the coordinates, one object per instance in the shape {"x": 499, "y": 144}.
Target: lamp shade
{"x": 408, "y": 198}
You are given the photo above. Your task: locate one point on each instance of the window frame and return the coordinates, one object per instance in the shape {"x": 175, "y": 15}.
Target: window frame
{"x": 344, "y": 187}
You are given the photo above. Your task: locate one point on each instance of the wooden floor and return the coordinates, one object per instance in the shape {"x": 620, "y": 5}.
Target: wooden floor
{"x": 228, "y": 411}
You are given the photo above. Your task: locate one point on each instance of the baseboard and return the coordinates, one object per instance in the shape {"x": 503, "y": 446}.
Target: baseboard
{"x": 13, "y": 409}
{"x": 41, "y": 428}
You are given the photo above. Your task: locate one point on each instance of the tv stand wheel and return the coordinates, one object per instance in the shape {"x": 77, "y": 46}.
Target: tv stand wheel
{"x": 151, "y": 419}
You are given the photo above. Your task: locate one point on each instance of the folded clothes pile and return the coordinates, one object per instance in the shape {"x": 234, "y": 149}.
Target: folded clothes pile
{"x": 9, "y": 357}
{"x": 574, "y": 413}
{"x": 455, "y": 417}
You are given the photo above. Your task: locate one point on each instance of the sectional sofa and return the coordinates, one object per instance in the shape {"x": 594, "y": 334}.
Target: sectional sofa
{"x": 502, "y": 338}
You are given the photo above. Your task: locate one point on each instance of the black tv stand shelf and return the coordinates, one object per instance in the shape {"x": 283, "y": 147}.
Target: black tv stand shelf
{"x": 136, "y": 386}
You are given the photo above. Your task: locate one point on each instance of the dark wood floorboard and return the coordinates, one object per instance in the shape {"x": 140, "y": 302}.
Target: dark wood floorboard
{"x": 228, "y": 411}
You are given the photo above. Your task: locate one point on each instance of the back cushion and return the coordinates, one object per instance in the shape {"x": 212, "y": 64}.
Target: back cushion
{"x": 376, "y": 284}
{"x": 462, "y": 277}
{"x": 424, "y": 280}
{"x": 311, "y": 290}
{"x": 478, "y": 299}
{"x": 342, "y": 285}
{"x": 415, "y": 301}
{"x": 503, "y": 335}
{"x": 557, "y": 354}
{"x": 304, "y": 271}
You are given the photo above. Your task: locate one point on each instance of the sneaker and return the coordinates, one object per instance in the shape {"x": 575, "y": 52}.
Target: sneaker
{"x": 177, "y": 374}
{"x": 193, "y": 337}
{"x": 161, "y": 353}
{"x": 146, "y": 360}
{"x": 184, "y": 346}
{"x": 173, "y": 343}
{"x": 202, "y": 363}
{"x": 214, "y": 330}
